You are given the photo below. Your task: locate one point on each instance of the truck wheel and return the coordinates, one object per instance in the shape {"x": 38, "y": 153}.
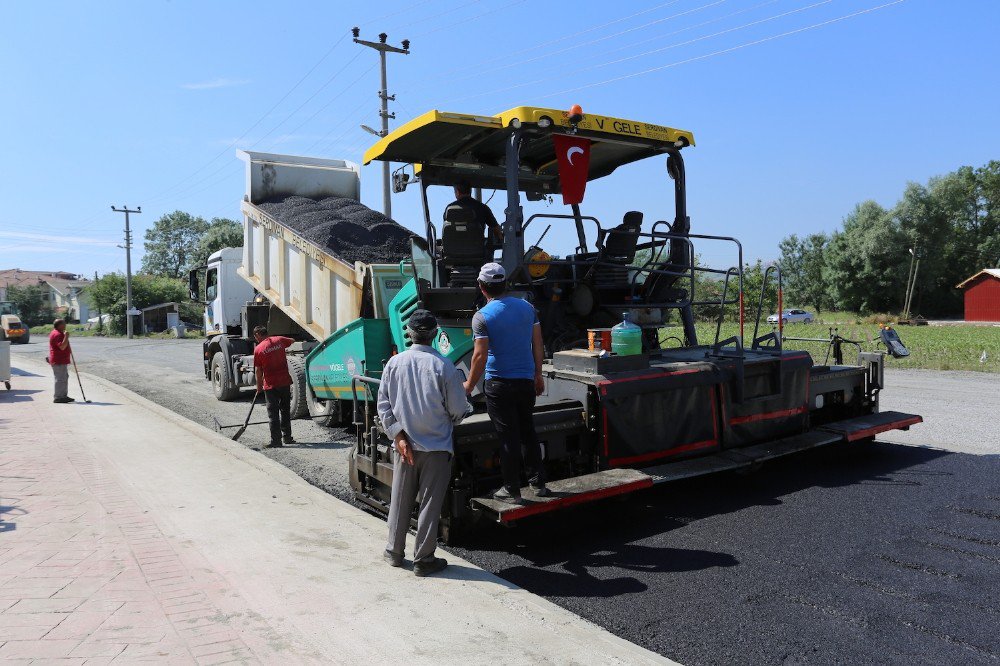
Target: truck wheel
{"x": 324, "y": 412}
{"x": 222, "y": 379}
{"x": 297, "y": 369}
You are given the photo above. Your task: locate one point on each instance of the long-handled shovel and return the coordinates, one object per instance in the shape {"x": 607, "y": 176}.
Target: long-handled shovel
{"x": 73, "y": 358}
{"x": 243, "y": 427}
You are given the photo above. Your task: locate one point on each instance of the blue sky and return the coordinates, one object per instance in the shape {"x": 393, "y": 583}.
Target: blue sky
{"x": 144, "y": 103}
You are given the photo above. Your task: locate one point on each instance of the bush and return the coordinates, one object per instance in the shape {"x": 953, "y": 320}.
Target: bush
{"x": 32, "y": 307}
{"x": 107, "y": 294}
{"x": 879, "y": 318}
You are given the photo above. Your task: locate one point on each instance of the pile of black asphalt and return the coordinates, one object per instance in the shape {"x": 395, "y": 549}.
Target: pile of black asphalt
{"x": 344, "y": 228}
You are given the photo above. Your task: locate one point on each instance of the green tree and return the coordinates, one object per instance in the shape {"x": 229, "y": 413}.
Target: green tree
{"x": 171, "y": 243}
{"x": 32, "y": 307}
{"x": 221, "y": 232}
{"x": 866, "y": 261}
{"x": 928, "y": 230}
{"x": 802, "y": 263}
{"x": 108, "y": 294}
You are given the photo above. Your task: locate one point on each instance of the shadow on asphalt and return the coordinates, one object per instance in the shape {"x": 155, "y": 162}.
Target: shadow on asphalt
{"x": 18, "y": 372}
{"x": 562, "y": 553}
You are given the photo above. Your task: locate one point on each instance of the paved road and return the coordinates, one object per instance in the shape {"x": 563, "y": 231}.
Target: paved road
{"x": 885, "y": 553}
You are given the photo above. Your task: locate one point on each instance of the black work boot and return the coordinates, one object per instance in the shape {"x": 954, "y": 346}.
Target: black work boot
{"x": 539, "y": 487}
{"x": 273, "y": 445}
{"x": 428, "y": 567}
{"x": 287, "y": 439}
{"x": 394, "y": 559}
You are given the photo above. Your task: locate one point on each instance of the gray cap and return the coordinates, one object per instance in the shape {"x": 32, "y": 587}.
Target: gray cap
{"x": 492, "y": 273}
{"x": 422, "y": 321}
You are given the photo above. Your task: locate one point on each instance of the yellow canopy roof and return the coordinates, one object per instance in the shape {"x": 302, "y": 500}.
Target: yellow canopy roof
{"x": 452, "y": 146}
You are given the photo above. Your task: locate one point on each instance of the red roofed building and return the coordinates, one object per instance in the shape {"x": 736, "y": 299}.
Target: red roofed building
{"x": 982, "y": 295}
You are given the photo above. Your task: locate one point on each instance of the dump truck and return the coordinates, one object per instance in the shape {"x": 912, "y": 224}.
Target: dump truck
{"x": 11, "y": 326}
{"x": 609, "y": 424}
{"x": 286, "y": 282}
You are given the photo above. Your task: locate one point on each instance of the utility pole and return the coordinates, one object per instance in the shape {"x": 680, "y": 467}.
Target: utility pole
{"x": 100, "y": 317}
{"x": 909, "y": 278}
{"x": 384, "y": 96}
{"x": 128, "y": 266}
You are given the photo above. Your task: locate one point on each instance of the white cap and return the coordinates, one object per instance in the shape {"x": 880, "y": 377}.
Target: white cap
{"x": 492, "y": 273}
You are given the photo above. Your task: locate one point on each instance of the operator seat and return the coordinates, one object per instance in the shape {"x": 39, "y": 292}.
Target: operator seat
{"x": 462, "y": 245}
{"x": 619, "y": 249}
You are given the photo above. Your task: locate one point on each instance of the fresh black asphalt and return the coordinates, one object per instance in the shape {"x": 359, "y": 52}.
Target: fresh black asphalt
{"x": 869, "y": 554}
{"x": 879, "y": 553}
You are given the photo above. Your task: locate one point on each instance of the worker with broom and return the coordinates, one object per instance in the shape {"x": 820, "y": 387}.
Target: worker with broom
{"x": 59, "y": 358}
{"x": 270, "y": 366}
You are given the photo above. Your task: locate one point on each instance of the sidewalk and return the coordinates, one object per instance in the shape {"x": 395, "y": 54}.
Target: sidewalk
{"x": 129, "y": 533}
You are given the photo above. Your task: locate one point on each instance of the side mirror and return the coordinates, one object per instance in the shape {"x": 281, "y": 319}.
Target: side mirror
{"x": 194, "y": 290}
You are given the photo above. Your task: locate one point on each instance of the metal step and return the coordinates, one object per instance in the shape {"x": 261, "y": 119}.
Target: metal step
{"x": 568, "y": 492}
{"x": 732, "y": 459}
{"x": 851, "y": 430}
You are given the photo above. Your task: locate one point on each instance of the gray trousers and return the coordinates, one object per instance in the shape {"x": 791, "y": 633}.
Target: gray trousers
{"x": 62, "y": 380}
{"x": 428, "y": 475}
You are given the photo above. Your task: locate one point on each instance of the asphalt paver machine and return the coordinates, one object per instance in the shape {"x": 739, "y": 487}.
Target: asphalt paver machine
{"x": 609, "y": 424}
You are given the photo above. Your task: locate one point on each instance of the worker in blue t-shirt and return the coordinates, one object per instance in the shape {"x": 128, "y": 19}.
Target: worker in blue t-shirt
{"x": 508, "y": 347}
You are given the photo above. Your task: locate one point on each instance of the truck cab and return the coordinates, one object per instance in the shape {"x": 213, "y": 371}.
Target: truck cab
{"x": 225, "y": 291}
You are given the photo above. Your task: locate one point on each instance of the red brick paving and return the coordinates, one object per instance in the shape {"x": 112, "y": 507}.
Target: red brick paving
{"x": 87, "y": 575}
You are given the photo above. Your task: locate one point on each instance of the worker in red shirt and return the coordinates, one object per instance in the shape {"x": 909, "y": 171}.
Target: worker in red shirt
{"x": 60, "y": 356}
{"x": 270, "y": 366}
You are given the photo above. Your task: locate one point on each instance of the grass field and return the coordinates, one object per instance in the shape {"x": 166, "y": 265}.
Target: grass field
{"x": 958, "y": 347}
{"x": 81, "y": 331}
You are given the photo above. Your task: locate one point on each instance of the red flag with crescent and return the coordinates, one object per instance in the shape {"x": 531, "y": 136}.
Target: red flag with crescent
{"x": 573, "y": 155}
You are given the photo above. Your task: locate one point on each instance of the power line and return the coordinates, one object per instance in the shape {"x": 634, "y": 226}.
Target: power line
{"x": 508, "y": 54}
{"x": 55, "y": 239}
{"x": 598, "y": 40}
{"x": 351, "y": 116}
{"x": 690, "y": 27}
{"x": 431, "y": 17}
{"x": 309, "y": 99}
{"x": 228, "y": 150}
{"x": 724, "y": 51}
{"x": 471, "y": 18}
{"x": 405, "y": 10}
{"x": 640, "y": 55}
{"x": 267, "y": 113}
{"x": 334, "y": 99}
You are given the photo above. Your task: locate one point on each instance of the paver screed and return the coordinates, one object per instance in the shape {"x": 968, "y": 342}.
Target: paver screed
{"x": 85, "y": 574}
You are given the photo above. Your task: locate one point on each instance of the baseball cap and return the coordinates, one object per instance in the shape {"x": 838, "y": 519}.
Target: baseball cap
{"x": 492, "y": 272}
{"x": 422, "y": 321}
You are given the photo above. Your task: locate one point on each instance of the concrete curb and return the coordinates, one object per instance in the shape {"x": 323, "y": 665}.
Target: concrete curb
{"x": 514, "y": 598}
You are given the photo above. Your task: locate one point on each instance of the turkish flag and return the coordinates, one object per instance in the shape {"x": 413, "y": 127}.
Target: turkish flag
{"x": 573, "y": 154}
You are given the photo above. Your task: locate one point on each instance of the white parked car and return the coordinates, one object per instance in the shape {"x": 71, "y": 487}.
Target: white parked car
{"x": 105, "y": 321}
{"x": 792, "y": 316}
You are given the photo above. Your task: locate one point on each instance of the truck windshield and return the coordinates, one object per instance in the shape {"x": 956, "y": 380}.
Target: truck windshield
{"x": 7, "y": 308}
